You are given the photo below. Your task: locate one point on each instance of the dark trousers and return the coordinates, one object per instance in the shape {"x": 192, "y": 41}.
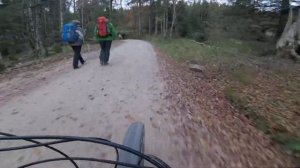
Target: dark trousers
{"x": 105, "y": 51}
{"x": 77, "y": 56}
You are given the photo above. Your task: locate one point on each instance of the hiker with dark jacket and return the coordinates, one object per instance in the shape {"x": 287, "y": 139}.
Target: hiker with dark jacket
{"x": 76, "y": 46}
{"x": 105, "y": 33}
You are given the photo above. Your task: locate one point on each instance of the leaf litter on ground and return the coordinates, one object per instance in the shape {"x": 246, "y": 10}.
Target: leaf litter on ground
{"x": 215, "y": 133}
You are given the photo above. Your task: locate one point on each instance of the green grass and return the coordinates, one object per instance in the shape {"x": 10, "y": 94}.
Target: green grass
{"x": 290, "y": 144}
{"x": 242, "y": 74}
{"x": 225, "y": 53}
{"x": 222, "y": 51}
{"x": 242, "y": 105}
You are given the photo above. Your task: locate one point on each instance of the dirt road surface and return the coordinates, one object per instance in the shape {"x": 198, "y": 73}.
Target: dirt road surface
{"x": 91, "y": 101}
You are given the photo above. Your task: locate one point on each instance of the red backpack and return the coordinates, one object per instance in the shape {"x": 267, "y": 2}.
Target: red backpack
{"x": 103, "y": 29}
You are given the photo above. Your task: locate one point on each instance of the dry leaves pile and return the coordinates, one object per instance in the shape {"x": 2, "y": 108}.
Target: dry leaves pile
{"x": 275, "y": 100}
{"x": 215, "y": 134}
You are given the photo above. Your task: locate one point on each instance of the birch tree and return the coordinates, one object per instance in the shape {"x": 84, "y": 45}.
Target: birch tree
{"x": 173, "y": 17}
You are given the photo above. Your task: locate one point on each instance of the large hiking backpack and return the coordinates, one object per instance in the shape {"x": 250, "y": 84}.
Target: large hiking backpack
{"x": 103, "y": 30}
{"x": 69, "y": 33}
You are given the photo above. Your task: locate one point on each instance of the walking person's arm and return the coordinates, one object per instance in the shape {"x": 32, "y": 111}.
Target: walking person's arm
{"x": 96, "y": 37}
{"x": 113, "y": 31}
{"x": 81, "y": 37}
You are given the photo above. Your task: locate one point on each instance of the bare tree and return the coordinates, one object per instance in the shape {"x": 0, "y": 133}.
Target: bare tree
{"x": 139, "y": 17}
{"x": 156, "y": 25}
{"x": 110, "y": 9}
{"x": 138, "y": 7}
{"x": 166, "y": 16}
{"x": 173, "y": 17}
{"x": 289, "y": 42}
{"x": 284, "y": 11}
{"x": 149, "y": 26}
{"x": 74, "y": 3}
{"x": 34, "y": 25}
{"x": 61, "y": 14}
{"x": 162, "y": 26}
{"x": 151, "y": 16}
{"x": 121, "y": 4}
{"x": 82, "y": 6}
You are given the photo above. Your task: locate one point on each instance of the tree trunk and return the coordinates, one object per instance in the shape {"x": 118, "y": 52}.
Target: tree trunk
{"x": 74, "y": 3}
{"x": 289, "y": 42}
{"x": 287, "y": 34}
{"x": 26, "y": 21}
{"x": 82, "y": 6}
{"x": 139, "y": 17}
{"x": 151, "y": 16}
{"x": 296, "y": 46}
{"x": 164, "y": 22}
{"x": 173, "y": 18}
{"x": 110, "y": 9}
{"x": 284, "y": 12}
{"x": 167, "y": 22}
{"x": 61, "y": 15}
{"x": 298, "y": 26}
{"x": 162, "y": 26}
{"x": 41, "y": 50}
{"x": 30, "y": 24}
{"x": 149, "y": 30}
{"x": 166, "y": 18}
{"x": 121, "y": 3}
{"x": 34, "y": 18}
{"x": 45, "y": 32}
{"x": 156, "y": 25}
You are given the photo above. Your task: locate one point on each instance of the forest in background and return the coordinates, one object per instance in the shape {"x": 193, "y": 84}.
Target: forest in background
{"x": 33, "y": 27}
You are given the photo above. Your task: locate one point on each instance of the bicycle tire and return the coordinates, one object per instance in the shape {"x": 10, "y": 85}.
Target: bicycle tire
{"x": 134, "y": 138}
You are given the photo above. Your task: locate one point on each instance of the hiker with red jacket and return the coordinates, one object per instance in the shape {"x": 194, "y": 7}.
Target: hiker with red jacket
{"x": 105, "y": 33}
{"x": 73, "y": 34}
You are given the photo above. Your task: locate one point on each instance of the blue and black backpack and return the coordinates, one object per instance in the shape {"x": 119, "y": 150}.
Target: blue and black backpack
{"x": 69, "y": 33}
